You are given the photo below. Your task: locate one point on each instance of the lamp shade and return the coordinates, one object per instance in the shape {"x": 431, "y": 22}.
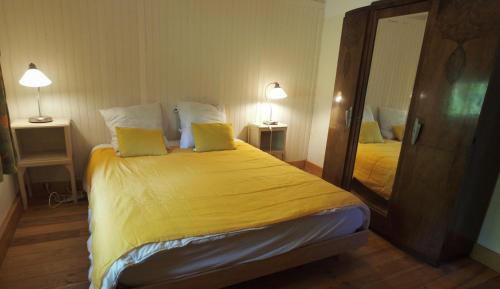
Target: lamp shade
{"x": 276, "y": 92}
{"x": 34, "y": 77}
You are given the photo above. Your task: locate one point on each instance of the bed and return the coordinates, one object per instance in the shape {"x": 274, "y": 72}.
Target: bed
{"x": 208, "y": 220}
{"x": 376, "y": 165}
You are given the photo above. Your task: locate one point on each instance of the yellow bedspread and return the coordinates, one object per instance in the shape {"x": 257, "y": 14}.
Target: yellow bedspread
{"x": 141, "y": 200}
{"x": 376, "y": 165}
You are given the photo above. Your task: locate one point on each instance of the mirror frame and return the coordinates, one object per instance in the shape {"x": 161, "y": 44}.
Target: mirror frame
{"x": 359, "y": 101}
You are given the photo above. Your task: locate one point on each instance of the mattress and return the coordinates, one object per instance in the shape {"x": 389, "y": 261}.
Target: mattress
{"x": 199, "y": 255}
{"x": 143, "y": 206}
{"x": 376, "y": 165}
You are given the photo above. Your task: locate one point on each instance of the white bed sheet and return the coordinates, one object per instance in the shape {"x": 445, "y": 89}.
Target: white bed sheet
{"x": 192, "y": 256}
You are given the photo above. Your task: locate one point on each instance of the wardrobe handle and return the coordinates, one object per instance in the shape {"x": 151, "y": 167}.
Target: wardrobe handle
{"x": 415, "y": 132}
{"x": 348, "y": 117}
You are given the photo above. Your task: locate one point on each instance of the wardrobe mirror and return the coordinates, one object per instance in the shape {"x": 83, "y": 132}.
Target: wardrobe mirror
{"x": 396, "y": 53}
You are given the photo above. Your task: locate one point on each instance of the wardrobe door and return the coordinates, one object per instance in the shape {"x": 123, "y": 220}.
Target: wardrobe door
{"x": 346, "y": 87}
{"x": 450, "y": 87}
{"x": 481, "y": 173}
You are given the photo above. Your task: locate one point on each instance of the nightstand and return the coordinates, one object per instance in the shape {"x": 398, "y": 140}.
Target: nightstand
{"x": 269, "y": 138}
{"x": 42, "y": 144}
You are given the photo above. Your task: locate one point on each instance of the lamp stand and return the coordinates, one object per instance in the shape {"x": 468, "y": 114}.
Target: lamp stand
{"x": 270, "y": 121}
{"x": 40, "y": 118}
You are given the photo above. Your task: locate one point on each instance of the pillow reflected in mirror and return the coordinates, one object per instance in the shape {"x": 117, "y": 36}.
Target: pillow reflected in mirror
{"x": 389, "y": 117}
{"x": 398, "y": 131}
{"x": 370, "y": 133}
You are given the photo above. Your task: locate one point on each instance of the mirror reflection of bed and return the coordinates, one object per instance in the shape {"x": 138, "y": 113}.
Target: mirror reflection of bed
{"x": 395, "y": 58}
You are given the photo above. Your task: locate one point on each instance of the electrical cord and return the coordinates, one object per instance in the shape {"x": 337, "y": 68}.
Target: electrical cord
{"x": 56, "y": 199}
{"x": 270, "y": 139}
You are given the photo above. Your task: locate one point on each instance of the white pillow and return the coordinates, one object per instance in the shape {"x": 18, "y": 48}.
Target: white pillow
{"x": 367, "y": 114}
{"x": 389, "y": 117}
{"x": 190, "y": 112}
{"x": 137, "y": 116}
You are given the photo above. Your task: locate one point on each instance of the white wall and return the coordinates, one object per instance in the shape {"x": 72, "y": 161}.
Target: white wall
{"x": 8, "y": 189}
{"x": 101, "y": 54}
{"x": 490, "y": 231}
{"x": 327, "y": 67}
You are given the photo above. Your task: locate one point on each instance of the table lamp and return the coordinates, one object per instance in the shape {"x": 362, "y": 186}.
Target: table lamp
{"x": 35, "y": 78}
{"x": 276, "y": 92}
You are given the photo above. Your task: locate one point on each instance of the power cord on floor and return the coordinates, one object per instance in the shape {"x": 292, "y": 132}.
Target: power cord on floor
{"x": 56, "y": 199}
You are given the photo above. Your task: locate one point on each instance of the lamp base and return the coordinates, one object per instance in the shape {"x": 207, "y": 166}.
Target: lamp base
{"x": 270, "y": 122}
{"x": 40, "y": 119}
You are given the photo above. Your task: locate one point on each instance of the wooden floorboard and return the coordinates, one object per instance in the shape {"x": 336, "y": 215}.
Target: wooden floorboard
{"x": 49, "y": 251}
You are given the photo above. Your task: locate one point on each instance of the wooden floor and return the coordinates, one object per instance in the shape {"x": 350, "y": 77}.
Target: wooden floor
{"x": 49, "y": 251}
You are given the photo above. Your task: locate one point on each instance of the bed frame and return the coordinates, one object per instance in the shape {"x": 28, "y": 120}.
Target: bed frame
{"x": 239, "y": 273}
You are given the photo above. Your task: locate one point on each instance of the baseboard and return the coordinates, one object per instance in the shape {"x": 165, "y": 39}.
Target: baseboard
{"x": 486, "y": 256}
{"x": 308, "y": 167}
{"x": 313, "y": 169}
{"x": 298, "y": 164}
{"x": 8, "y": 226}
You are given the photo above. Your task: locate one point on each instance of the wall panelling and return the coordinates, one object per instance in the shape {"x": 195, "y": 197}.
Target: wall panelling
{"x": 101, "y": 54}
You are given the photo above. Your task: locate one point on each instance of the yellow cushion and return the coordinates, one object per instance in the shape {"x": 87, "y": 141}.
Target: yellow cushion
{"x": 370, "y": 133}
{"x": 134, "y": 142}
{"x": 399, "y": 131}
{"x": 213, "y": 136}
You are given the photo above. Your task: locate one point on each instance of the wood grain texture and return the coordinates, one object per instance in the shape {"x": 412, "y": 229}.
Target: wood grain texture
{"x": 101, "y": 54}
{"x": 379, "y": 13}
{"x": 49, "y": 255}
{"x": 378, "y": 10}
{"x": 342, "y": 140}
{"x": 483, "y": 167}
{"x": 435, "y": 189}
{"x": 346, "y": 83}
{"x": 444, "y": 182}
{"x": 8, "y": 226}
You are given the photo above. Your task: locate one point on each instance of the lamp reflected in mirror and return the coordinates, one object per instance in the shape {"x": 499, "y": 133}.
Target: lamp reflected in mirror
{"x": 338, "y": 98}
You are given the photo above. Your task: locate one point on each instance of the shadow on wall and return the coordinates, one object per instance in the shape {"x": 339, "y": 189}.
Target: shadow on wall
{"x": 243, "y": 134}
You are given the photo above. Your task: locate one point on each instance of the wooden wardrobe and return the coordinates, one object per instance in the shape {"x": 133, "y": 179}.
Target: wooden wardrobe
{"x": 446, "y": 175}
